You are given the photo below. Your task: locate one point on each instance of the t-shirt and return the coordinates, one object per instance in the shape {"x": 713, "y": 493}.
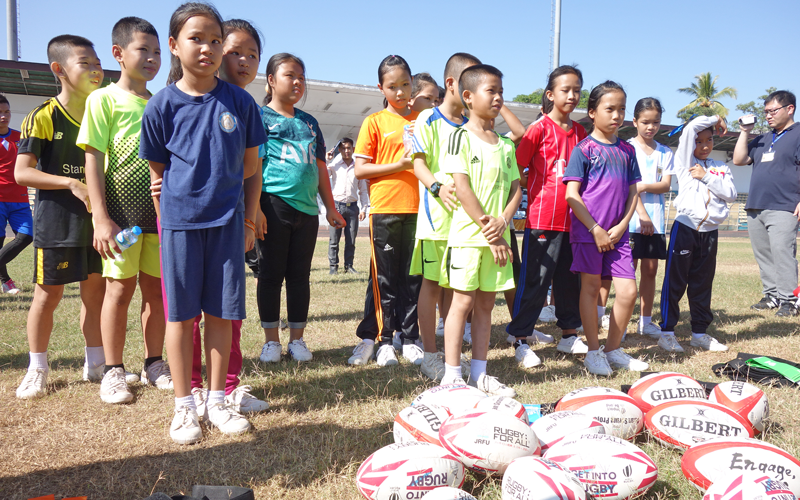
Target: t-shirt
{"x": 201, "y": 140}
{"x": 10, "y": 191}
{"x": 491, "y": 169}
{"x": 775, "y": 185}
{"x": 652, "y": 167}
{"x": 545, "y": 150}
{"x": 605, "y": 172}
{"x": 111, "y": 124}
{"x": 431, "y": 133}
{"x": 290, "y": 163}
{"x": 381, "y": 142}
{"x": 59, "y": 218}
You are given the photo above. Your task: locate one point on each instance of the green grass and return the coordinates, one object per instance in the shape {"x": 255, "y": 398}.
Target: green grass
{"x": 325, "y": 417}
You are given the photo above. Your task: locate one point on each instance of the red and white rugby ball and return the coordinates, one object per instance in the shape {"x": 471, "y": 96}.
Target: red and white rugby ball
{"x": 420, "y": 423}
{"x": 706, "y": 463}
{"x": 552, "y": 428}
{"x": 505, "y": 405}
{"x": 658, "y": 388}
{"x": 681, "y": 424}
{"x": 454, "y": 397}
{"x": 535, "y": 478}
{"x": 745, "y": 399}
{"x": 487, "y": 441}
{"x": 448, "y": 493}
{"x": 408, "y": 468}
{"x": 609, "y": 467}
{"x": 749, "y": 486}
{"x": 617, "y": 411}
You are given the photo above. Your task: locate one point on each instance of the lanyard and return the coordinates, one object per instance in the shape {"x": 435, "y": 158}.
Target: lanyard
{"x": 774, "y": 140}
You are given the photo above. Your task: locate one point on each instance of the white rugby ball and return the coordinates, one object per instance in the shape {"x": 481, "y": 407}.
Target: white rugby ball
{"x": 448, "y": 493}
{"x": 487, "y": 441}
{"x": 745, "y": 399}
{"x": 535, "y": 478}
{"x": 454, "y": 397}
{"x": 609, "y": 467}
{"x": 658, "y": 388}
{"x": 420, "y": 423}
{"x": 706, "y": 463}
{"x": 505, "y": 405}
{"x": 681, "y": 424}
{"x": 552, "y": 428}
{"x": 408, "y": 468}
{"x": 617, "y": 411}
{"x": 749, "y": 486}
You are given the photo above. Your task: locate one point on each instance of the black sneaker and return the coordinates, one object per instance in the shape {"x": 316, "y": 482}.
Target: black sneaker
{"x": 334, "y": 270}
{"x": 787, "y": 309}
{"x": 766, "y": 303}
{"x": 350, "y": 270}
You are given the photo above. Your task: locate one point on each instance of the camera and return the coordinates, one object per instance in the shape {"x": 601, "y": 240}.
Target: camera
{"x": 747, "y": 120}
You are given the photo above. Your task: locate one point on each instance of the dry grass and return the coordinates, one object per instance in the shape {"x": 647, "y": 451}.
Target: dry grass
{"x": 325, "y": 417}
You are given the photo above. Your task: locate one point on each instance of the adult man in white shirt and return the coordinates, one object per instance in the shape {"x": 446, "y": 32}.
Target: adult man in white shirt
{"x": 347, "y": 191}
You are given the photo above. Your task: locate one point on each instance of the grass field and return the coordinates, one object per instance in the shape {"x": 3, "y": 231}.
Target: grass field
{"x": 325, "y": 417}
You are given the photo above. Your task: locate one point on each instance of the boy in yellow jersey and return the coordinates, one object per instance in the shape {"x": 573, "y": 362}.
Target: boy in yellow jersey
{"x": 50, "y": 161}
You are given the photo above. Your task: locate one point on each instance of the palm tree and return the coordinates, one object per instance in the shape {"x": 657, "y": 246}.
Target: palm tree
{"x": 706, "y": 95}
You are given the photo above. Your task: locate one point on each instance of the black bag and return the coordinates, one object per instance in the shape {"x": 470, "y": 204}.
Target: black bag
{"x": 738, "y": 369}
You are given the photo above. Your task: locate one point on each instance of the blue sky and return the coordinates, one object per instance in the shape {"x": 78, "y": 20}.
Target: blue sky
{"x": 651, "y": 47}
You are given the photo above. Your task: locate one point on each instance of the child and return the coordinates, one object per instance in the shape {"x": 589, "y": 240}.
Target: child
{"x": 201, "y": 136}
{"x": 601, "y": 192}
{"x": 14, "y": 208}
{"x": 294, "y": 172}
{"x": 424, "y": 92}
{"x": 476, "y": 262}
{"x": 62, "y": 236}
{"x": 705, "y": 187}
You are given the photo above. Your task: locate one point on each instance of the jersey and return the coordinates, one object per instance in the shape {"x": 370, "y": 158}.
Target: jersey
{"x": 10, "y": 191}
{"x": 381, "y": 142}
{"x": 431, "y": 132}
{"x": 652, "y": 167}
{"x": 491, "y": 169}
{"x": 545, "y": 150}
{"x": 59, "y": 218}
{"x": 111, "y": 124}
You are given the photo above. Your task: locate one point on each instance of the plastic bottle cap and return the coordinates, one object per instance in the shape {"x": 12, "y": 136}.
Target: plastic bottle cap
{"x": 136, "y": 230}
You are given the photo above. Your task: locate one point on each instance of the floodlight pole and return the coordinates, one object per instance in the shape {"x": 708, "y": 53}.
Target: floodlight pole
{"x": 11, "y": 30}
{"x": 557, "y": 35}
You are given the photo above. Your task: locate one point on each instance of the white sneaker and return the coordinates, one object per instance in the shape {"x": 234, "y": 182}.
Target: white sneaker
{"x": 604, "y": 322}
{"x": 440, "y": 328}
{"x": 572, "y": 345}
{"x": 299, "y": 351}
{"x": 413, "y": 353}
{"x": 271, "y": 352}
{"x": 493, "y": 387}
{"x": 708, "y": 343}
{"x": 652, "y": 330}
{"x": 597, "y": 364}
{"x": 95, "y": 374}
{"x": 618, "y": 358}
{"x": 386, "y": 356}
{"x": 199, "y": 395}
{"x": 131, "y": 378}
{"x": 454, "y": 380}
{"x": 185, "y": 428}
{"x": 397, "y": 342}
{"x": 527, "y": 357}
{"x": 361, "y": 354}
{"x": 468, "y": 333}
{"x": 157, "y": 374}
{"x": 548, "y": 314}
{"x": 669, "y": 343}
{"x": 226, "y": 419}
{"x": 541, "y": 337}
{"x": 34, "y": 384}
{"x": 114, "y": 389}
{"x": 243, "y": 402}
{"x": 433, "y": 365}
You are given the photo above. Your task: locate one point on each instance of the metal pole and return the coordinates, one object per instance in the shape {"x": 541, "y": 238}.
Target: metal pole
{"x": 11, "y": 30}
{"x": 557, "y": 35}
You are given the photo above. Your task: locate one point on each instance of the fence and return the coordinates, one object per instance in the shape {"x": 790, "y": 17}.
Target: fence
{"x": 736, "y": 221}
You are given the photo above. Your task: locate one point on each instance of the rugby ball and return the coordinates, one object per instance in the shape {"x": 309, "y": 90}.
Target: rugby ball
{"x": 749, "y": 486}
{"x": 681, "y": 424}
{"x": 609, "y": 467}
{"x": 454, "y": 397}
{"x": 745, "y": 399}
{"x": 505, "y": 405}
{"x": 487, "y": 440}
{"x": 420, "y": 423}
{"x": 534, "y": 478}
{"x": 706, "y": 463}
{"x": 448, "y": 493}
{"x": 658, "y": 388}
{"x": 408, "y": 468}
{"x": 552, "y": 428}
{"x": 617, "y": 411}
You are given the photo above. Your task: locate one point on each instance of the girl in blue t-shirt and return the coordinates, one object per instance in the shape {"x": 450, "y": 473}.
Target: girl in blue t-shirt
{"x": 294, "y": 172}
{"x": 201, "y": 137}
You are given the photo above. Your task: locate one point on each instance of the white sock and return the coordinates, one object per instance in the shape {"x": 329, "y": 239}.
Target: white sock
{"x": 668, "y": 333}
{"x": 601, "y": 311}
{"x": 368, "y": 342}
{"x": 451, "y": 372}
{"x": 95, "y": 356}
{"x": 468, "y": 326}
{"x": 697, "y": 336}
{"x": 645, "y": 320}
{"x": 215, "y": 397}
{"x": 186, "y": 401}
{"x": 477, "y": 368}
{"x": 38, "y": 360}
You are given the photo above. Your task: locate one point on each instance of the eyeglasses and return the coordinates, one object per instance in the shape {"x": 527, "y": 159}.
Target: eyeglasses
{"x": 770, "y": 112}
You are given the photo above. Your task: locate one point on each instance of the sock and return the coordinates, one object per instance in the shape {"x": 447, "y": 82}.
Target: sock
{"x": 215, "y": 397}
{"x": 477, "y": 368}
{"x": 667, "y": 333}
{"x": 152, "y": 359}
{"x": 451, "y": 372}
{"x": 95, "y": 356}
{"x": 519, "y": 342}
{"x": 368, "y": 341}
{"x": 468, "y": 327}
{"x": 697, "y": 336}
{"x": 108, "y": 368}
{"x": 185, "y": 401}
{"x": 38, "y": 360}
{"x": 568, "y": 335}
{"x": 601, "y": 311}
{"x": 645, "y": 320}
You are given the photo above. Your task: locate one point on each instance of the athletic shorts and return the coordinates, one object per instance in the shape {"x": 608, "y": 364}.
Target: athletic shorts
{"x": 473, "y": 268}
{"x": 141, "y": 256}
{"x": 616, "y": 263}
{"x": 653, "y": 246}
{"x": 63, "y": 265}
{"x": 426, "y": 260}
{"x": 18, "y": 216}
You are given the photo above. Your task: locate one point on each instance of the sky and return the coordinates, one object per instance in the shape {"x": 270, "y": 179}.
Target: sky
{"x": 650, "y": 47}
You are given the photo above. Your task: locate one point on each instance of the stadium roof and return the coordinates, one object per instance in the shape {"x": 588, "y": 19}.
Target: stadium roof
{"x": 725, "y": 143}
{"x": 35, "y": 79}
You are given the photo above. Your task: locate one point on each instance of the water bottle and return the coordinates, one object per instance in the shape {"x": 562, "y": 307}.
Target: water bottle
{"x": 408, "y": 141}
{"x": 125, "y": 239}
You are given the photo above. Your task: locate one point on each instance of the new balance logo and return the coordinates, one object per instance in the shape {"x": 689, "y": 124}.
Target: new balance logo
{"x": 474, "y": 160}
{"x": 58, "y": 135}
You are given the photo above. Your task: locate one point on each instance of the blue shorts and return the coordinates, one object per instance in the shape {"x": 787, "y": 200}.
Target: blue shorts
{"x": 203, "y": 270}
{"x": 18, "y": 216}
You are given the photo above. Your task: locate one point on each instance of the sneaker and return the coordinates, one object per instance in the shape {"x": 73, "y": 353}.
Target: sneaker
{"x": 243, "y": 402}
{"x": 226, "y": 419}
{"x": 157, "y": 374}
{"x": 454, "y": 381}
{"x": 536, "y": 337}
{"x": 604, "y": 322}
{"x": 397, "y": 341}
{"x": 10, "y": 287}
{"x": 95, "y": 374}
{"x": 185, "y": 428}
{"x": 350, "y": 270}
{"x": 597, "y": 364}
{"x": 433, "y": 365}
{"x": 618, "y": 358}
{"x": 413, "y": 353}
{"x": 527, "y": 357}
{"x": 114, "y": 389}
{"x": 708, "y": 343}
{"x": 669, "y": 343}
{"x": 787, "y": 309}
{"x": 572, "y": 345}
{"x": 440, "y": 328}
{"x": 34, "y": 385}
{"x": 493, "y": 387}
{"x": 548, "y": 314}
{"x": 766, "y": 303}
{"x": 386, "y": 356}
{"x": 334, "y": 270}
{"x": 468, "y": 333}
{"x": 652, "y": 330}
{"x": 361, "y": 354}
{"x": 271, "y": 352}
{"x": 298, "y": 350}
{"x": 131, "y": 378}
{"x": 199, "y": 394}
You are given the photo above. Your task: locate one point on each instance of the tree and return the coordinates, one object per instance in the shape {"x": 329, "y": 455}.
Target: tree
{"x": 536, "y": 98}
{"x": 706, "y": 95}
{"x": 755, "y": 109}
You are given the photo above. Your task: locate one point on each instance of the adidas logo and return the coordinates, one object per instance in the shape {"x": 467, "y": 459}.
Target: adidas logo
{"x": 475, "y": 160}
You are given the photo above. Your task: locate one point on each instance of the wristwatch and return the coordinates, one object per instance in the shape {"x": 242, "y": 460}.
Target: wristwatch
{"x": 434, "y": 189}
